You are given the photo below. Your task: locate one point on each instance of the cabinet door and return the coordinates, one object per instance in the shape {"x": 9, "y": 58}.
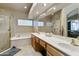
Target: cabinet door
{"x": 48, "y": 54}
{"x": 33, "y": 41}
{"x": 53, "y": 51}
{"x": 37, "y": 40}
{"x": 42, "y": 43}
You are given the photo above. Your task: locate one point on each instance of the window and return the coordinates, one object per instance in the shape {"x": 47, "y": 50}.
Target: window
{"x": 35, "y": 23}
{"x": 48, "y": 24}
{"x": 75, "y": 25}
{"x": 24, "y": 22}
{"x": 38, "y": 23}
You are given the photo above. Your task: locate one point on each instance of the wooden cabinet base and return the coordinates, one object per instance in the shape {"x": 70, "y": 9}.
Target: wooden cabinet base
{"x": 45, "y": 48}
{"x": 53, "y": 51}
{"x": 48, "y": 54}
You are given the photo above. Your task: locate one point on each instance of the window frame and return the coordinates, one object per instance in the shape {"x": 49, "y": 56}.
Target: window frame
{"x": 38, "y": 23}
{"x": 25, "y": 25}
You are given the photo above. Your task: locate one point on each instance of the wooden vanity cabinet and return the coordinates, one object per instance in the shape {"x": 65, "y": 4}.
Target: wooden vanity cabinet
{"x": 51, "y": 51}
{"x": 33, "y": 41}
{"x": 42, "y": 43}
{"x": 37, "y": 40}
{"x": 41, "y": 46}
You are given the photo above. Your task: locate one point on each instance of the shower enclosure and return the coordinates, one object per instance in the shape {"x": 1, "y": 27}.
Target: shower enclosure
{"x": 4, "y": 33}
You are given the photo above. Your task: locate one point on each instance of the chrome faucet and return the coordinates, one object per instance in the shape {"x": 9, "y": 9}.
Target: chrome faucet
{"x": 72, "y": 41}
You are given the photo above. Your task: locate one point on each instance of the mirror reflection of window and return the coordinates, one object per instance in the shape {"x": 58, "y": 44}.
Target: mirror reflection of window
{"x": 75, "y": 25}
{"x": 38, "y": 23}
{"x": 48, "y": 24}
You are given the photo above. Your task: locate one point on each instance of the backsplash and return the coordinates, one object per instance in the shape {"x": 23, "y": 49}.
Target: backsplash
{"x": 56, "y": 23}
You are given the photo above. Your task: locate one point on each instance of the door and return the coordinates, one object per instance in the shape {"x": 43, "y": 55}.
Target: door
{"x": 4, "y": 33}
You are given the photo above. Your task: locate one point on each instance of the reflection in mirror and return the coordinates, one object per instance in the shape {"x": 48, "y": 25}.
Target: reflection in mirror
{"x": 73, "y": 23}
{"x": 51, "y": 24}
{"x": 46, "y": 24}
{"x": 56, "y": 23}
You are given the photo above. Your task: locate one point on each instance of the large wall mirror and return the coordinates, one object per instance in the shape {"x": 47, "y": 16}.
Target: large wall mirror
{"x": 73, "y": 23}
{"x": 51, "y": 23}
{"x": 45, "y": 24}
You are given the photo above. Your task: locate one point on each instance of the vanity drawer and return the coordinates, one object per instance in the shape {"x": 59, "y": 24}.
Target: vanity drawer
{"x": 48, "y": 54}
{"x": 33, "y": 40}
{"x": 42, "y": 43}
{"x": 53, "y": 51}
{"x": 33, "y": 43}
{"x": 37, "y": 40}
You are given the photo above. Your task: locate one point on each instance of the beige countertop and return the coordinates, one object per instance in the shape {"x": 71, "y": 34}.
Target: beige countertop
{"x": 60, "y": 42}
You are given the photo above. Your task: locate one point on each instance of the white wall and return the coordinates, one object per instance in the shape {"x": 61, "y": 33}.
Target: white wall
{"x": 14, "y": 16}
{"x": 4, "y": 41}
{"x": 4, "y": 33}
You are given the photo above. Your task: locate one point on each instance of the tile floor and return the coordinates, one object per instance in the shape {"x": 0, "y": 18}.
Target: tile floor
{"x": 27, "y": 51}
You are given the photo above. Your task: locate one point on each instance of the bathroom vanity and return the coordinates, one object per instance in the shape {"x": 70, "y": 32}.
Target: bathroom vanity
{"x": 53, "y": 45}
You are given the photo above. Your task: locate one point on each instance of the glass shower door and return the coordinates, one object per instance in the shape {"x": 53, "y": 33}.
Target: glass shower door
{"x": 4, "y": 33}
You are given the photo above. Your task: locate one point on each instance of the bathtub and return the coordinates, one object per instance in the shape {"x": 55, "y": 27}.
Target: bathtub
{"x": 21, "y": 40}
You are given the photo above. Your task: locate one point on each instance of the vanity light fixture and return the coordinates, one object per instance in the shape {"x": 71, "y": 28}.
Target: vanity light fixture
{"x": 54, "y": 8}
{"x": 25, "y": 7}
{"x": 43, "y": 15}
{"x": 37, "y": 12}
{"x": 44, "y": 4}
{"x": 50, "y": 9}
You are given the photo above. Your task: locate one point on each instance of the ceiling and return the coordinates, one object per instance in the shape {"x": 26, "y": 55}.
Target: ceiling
{"x": 73, "y": 12}
{"x": 17, "y": 6}
{"x": 34, "y": 10}
{"x": 38, "y": 10}
{"x": 45, "y": 10}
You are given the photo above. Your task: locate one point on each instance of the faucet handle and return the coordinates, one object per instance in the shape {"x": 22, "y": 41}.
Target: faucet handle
{"x": 72, "y": 41}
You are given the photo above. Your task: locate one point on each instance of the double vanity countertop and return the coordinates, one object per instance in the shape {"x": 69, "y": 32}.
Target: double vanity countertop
{"x": 61, "y": 43}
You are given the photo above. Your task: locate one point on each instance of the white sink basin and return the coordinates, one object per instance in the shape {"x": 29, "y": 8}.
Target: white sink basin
{"x": 69, "y": 47}
{"x": 64, "y": 45}
{"x": 48, "y": 35}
